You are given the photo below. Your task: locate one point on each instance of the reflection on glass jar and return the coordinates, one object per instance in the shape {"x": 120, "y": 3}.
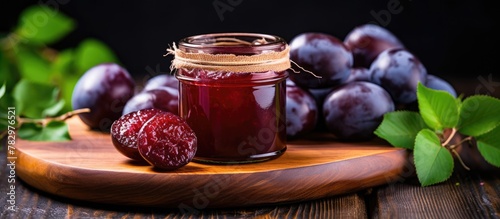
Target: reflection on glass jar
{"x": 237, "y": 114}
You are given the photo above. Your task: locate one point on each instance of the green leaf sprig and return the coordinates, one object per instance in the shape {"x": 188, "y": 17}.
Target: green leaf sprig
{"x": 430, "y": 133}
{"x": 38, "y": 80}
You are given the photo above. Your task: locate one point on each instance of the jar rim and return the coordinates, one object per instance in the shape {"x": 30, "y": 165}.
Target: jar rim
{"x": 255, "y": 41}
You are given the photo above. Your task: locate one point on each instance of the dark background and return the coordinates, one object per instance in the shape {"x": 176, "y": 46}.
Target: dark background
{"x": 454, "y": 39}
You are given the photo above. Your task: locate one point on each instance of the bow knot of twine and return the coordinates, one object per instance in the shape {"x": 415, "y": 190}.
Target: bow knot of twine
{"x": 267, "y": 61}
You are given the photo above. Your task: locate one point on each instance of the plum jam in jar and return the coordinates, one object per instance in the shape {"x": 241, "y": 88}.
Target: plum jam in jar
{"x": 232, "y": 94}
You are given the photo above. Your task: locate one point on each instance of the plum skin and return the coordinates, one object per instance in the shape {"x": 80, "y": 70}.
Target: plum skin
{"x": 324, "y": 55}
{"x": 161, "y": 81}
{"x": 399, "y": 72}
{"x": 163, "y": 98}
{"x": 367, "y": 41}
{"x": 301, "y": 111}
{"x": 437, "y": 83}
{"x": 104, "y": 89}
{"x": 319, "y": 96}
{"x": 353, "y": 111}
{"x": 359, "y": 74}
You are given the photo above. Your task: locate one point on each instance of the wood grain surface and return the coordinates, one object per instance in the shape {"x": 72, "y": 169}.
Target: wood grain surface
{"x": 89, "y": 168}
{"x": 467, "y": 194}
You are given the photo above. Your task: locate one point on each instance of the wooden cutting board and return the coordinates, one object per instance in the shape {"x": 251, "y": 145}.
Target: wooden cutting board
{"x": 90, "y": 168}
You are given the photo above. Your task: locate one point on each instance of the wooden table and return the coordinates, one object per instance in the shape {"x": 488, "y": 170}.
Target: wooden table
{"x": 467, "y": 194}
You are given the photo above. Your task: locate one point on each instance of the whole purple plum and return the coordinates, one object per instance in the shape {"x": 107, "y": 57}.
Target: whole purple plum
{"x": 367, "y": 41}
{"x": 398, "y": 71}
{"x": 353, "y": 111}
{"x": 104, "y": 89}
{"x": 322, "y": 54}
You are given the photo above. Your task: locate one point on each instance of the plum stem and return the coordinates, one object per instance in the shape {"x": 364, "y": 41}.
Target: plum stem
{"x": 44, "y": 121}
{"x": 450, "y": 137}
{"x": 459, "y": 159}
{"x": 453, "y": 146}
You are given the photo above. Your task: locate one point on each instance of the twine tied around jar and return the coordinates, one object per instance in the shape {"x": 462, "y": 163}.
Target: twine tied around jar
{"x": 267, "y": 61}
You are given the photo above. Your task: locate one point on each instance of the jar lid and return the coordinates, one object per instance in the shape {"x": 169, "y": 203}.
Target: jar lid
{"x": 232, "y": 52}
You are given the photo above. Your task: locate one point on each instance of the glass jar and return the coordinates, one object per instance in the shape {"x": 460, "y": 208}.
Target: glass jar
{"x": 232, "y": 94}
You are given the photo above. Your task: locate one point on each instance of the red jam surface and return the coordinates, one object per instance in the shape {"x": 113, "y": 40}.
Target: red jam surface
{"x": 237, "y": 117}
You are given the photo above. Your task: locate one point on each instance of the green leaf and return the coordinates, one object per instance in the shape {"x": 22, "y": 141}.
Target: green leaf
{"x": 32, "y": 99}
{"x": 54, "y": 109}
{"x": 4, "y": 123}
{"x": 8, "y": 75}
{"x": 433, "y": 162}
{"x": 2, "y": 90}
{"x": 53, "y": 131}
{"x": 439, "y": 109}
{"x": 67, "y": 91}
{"x": 66, "y": 75}
{"x": 479, "y": 115}
{"x": 33, "y": 67}
{"x": 43, "y": 25}
{"x": 489, "y": 146}
{"x": 400, "y": 128}
{"x": 64, "y": 64}
{"x": 92, "y": 52}
{"x": 7, "y": 101}
{"x": 9, "y": 78}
